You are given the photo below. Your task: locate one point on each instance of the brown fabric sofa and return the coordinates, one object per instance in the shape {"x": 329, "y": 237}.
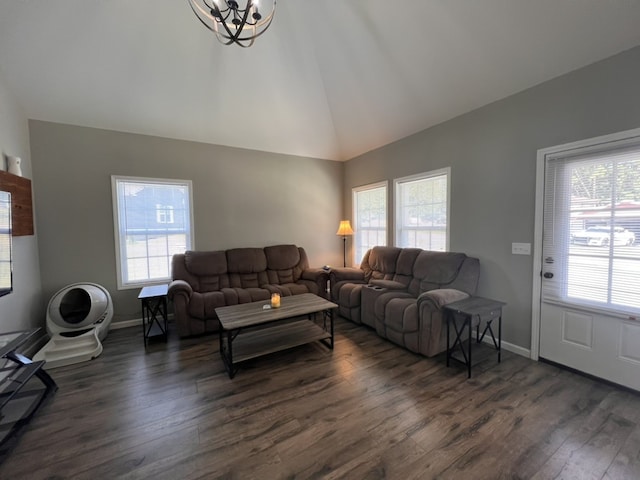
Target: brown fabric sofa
{"x": 400, "y": 292}
{"x": 203, "y": 281}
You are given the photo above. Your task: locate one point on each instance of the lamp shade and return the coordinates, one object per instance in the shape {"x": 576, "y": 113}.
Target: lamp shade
{"x": 344, "y": 228}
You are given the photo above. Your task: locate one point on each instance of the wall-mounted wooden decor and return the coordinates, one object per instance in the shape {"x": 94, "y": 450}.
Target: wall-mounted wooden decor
{"x": 21, "y": 204}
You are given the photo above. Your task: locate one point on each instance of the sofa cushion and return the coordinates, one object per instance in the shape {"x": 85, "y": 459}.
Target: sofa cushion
{"x": 234, "y": 296}
{"x": 280, "y": 257}
{"x": 435, "y": 269}
{"x": 380, "y": 263}
{"x": 401, "y": 314}
{"x": 247, "y": 268}
{"x": 246, "y": 260}
{"x": 390, "y": 284}
{"x": 287, "y": 289}
{"x": 203, "y": 305}
{"x": 206, "y": 263}
{"x": 284, "y": 264}
{"x": 207, "y": 270}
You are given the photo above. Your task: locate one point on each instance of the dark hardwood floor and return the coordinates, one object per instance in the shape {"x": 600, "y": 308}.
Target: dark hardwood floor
{"x": 367, "y": 410}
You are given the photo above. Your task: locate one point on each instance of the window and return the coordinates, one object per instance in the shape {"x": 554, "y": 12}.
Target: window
{"x": 592, "y": 226}
{"x": 6, "y": 283}
{"x": 422, "y": 210}
{"x": 153, "y": 221}
{"x": 369, "y": 218}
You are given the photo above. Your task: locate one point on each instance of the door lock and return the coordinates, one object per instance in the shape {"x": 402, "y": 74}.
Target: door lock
{"x": 547, "y": 275}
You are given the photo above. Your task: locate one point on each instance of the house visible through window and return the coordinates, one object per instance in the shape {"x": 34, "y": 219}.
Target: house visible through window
{"x": 422, "y": 210}
{"x": 369, "y": 218}
{"x": 152, "y": 219}
{"x": 164, "y": 213}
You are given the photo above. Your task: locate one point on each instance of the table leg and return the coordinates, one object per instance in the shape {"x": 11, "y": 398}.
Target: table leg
{"x": 331, "y": 321}
{"x": 499, "y": 337}
{"x": 227, "y": 352}
{"x": 449, "y": 319}
{"x": 469, "y": 322}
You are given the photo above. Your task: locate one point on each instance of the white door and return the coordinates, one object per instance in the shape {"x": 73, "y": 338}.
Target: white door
{"x": 590, "y": 286}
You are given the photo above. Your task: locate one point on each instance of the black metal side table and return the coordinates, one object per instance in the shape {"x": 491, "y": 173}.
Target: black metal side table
{"x": 154, "y": 312}
{"x": 24, "y": 387}
{"x": 468, "y": 313}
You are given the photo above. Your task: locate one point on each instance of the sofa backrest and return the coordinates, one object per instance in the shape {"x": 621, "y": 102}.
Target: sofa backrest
{"x": 285, "y": 263}
{"x": 247, "y": 267}
{"x": 204, "y": 271}
{"x": 240, "y": 267}
{"x": 379, "y": 263}
{"x": 433, "y": 270}
{"x": 420, "y": 270}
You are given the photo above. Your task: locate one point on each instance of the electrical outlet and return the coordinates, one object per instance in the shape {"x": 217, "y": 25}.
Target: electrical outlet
{"x": 521, "y": 248}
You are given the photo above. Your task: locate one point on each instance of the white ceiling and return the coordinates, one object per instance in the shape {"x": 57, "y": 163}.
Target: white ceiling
{"x": 330, "y": 79}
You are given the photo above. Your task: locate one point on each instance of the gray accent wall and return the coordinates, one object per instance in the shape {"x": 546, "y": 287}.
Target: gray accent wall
{"x": 23, "y": 308}
{"x": 492, "y": 155}
{"x": 242, "y": 198}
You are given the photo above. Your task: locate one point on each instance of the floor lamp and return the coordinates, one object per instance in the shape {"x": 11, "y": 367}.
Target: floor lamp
{"x": 345, "y": 230}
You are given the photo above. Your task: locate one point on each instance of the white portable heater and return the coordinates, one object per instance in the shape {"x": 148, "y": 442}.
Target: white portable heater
{"x": 78, "y": 319}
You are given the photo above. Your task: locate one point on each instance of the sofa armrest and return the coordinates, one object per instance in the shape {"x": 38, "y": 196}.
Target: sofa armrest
{"x": 389, "y": 284}
{"x": 177, "y": 287}
{"x": 438, "y": 298}
{"x": 346, "y": 274}
{"x": 315, "y": 275}
{"x": 317, "y": 279}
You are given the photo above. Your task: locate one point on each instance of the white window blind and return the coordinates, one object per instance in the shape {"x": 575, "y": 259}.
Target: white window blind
{"x": 422, "y": 210}
{"x": 592, "y": 227}
{"x": 153, "y": 221}
{"x": 370, "y": 218}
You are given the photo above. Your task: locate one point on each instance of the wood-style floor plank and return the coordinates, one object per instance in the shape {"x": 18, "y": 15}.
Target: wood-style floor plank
{"x": 366, "y": 410}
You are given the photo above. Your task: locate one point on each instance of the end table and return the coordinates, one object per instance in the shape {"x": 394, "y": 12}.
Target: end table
{"x": 154, "y": 305}
{"x": 472, "y": 312}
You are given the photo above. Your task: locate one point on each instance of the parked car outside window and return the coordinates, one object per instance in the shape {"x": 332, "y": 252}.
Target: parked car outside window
{"x": 601, "y": 236}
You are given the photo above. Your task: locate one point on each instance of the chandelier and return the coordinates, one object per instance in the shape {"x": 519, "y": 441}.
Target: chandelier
{"x": 233, "y": 24}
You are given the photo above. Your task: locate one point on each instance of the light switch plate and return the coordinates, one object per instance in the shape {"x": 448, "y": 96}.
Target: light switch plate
{"x": 521, "y": 248}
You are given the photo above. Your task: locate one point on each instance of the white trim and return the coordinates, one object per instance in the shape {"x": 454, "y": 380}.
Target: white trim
{"x": 354, "y": 207}
{"x": 537, "y": 249}
{"x": 422, "y": 176}
{"x": 135, "y": 322}
{"x": 116, "y": 225}
{"x": 509, "y": 347}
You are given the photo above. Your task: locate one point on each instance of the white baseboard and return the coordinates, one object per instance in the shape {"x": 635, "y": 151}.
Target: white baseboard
{"x": 510, "y": 347}
{"x": 134, "y": 322}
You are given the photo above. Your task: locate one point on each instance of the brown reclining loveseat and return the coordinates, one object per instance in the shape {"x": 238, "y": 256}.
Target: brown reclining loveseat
{"x": 400, "y": 292}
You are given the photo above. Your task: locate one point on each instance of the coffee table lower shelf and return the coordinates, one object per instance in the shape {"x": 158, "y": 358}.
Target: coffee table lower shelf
{"x": 243, "y": 345}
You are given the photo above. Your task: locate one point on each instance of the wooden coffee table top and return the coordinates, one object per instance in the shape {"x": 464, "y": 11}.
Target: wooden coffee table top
{"x": 251, "y": 314}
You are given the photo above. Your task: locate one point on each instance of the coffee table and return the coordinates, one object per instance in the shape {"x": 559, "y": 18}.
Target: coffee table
{"x": 248, "y": 330}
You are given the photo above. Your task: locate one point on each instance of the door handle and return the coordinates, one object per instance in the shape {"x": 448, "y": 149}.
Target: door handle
{"x": 547, "y": 275}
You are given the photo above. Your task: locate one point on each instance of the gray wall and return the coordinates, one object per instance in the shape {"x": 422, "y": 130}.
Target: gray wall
{"x": 23, "y": 308}
{"x": 241, "y": 198}
{"x": 492, "y": 154}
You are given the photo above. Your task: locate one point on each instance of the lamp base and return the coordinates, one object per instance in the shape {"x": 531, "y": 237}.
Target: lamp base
{"x": 344, "y": 254}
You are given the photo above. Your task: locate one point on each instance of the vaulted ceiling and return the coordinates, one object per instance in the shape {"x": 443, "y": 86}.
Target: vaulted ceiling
{"x": 330, "y": 79}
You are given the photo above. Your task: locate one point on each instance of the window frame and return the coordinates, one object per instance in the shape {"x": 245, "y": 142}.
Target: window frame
{"x": 354, "y": 198}
{"x": 557, "y": 242}
{"x": 115, "y": 181}
{"x": 397, "y": 183}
